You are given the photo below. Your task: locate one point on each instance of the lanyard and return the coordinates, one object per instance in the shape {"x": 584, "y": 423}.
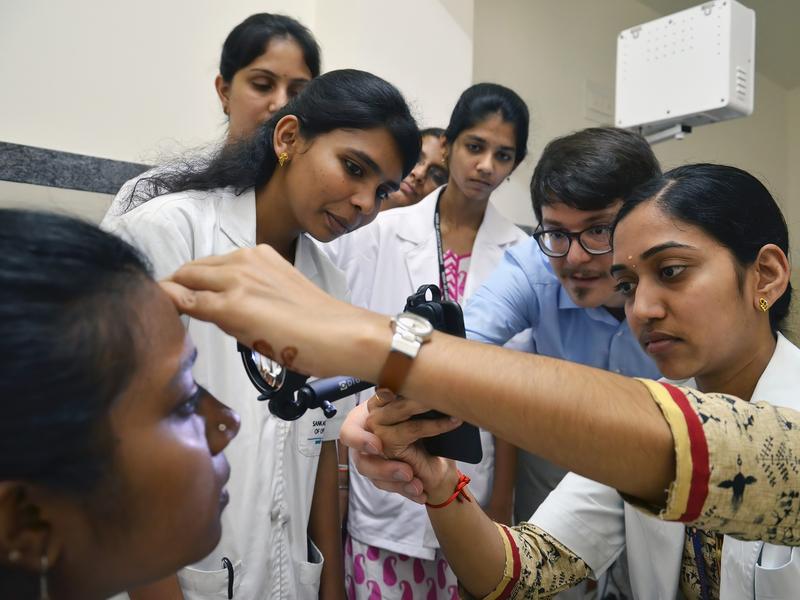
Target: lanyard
{"x": 700, "y": 563}
{"x": 437, "y": 229}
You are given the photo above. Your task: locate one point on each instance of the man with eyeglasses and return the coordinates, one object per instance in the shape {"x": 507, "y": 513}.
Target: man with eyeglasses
{"x": 558, "y": 284}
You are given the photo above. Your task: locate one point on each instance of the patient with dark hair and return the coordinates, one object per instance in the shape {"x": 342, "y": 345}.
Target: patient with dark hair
{"x": 108, "y": 447}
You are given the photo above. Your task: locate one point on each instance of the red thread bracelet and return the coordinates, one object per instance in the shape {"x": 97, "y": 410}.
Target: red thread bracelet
{"x": 458, "y": 494}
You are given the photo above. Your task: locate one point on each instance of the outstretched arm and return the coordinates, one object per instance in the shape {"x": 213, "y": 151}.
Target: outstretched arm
{"x": 541, "y": 403}
{"x": 611, "y": 429}
{"x": 487, "y": 558}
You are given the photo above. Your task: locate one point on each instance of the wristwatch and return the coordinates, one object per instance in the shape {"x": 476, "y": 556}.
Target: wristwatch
{"x": 410, "y": 332}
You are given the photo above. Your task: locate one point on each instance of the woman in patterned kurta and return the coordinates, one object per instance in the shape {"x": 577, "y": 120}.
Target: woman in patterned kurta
{"x": 640, "y": 438}
{"x": 707, "y": 289}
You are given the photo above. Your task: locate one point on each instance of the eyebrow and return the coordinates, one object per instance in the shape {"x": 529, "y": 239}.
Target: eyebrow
{"x": 665, "y": 246}
{"x": 373, "y": 166}
{"x": 187, "y": 362}
{"x": 653, "y": 251}
{"x": 477, "y": 138}
{"x": 276, "y": 76}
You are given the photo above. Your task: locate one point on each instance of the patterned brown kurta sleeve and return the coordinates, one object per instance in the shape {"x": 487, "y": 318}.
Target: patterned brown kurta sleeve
{"x": 737, "y": 465}
{"x": 737, "y": 473}
{"x": 537, "y": 565}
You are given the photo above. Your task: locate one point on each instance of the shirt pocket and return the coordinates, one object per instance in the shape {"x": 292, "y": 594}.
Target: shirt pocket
{"x": 781, "y": 581}
{"x": 309, "y": 573}
{"x": 309, "y": 432}
{"x": 199, "y": 585}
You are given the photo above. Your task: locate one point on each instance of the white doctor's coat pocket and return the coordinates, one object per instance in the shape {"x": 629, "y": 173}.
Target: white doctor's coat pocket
{"x": 310, "y": 433}
{"x": 199, "y": 585}
{"x": 309, "y": 573}
{"x": 777, "y": 575}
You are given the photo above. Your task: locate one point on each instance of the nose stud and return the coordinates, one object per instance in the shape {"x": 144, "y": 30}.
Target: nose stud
{"x": 222, "y": 427}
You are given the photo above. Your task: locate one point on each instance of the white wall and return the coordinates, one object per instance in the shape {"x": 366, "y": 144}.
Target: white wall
{"x": 122, "y": 80}
{"x": 792, "y": 202}
{"x": 134, "y": 81}
{"x": 424, "y": 47}
{"x": 549, "y": 52}
{"x": 793, "y": 168}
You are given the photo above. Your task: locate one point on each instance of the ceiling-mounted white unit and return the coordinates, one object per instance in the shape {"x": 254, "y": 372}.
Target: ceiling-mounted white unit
{"x": 691, "y": 68}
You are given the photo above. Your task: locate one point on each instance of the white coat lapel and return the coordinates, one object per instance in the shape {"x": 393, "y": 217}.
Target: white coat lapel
{"x": 422, "y": 264}
{"x": 495, "y": 234}
{"x": 414, "y": 227}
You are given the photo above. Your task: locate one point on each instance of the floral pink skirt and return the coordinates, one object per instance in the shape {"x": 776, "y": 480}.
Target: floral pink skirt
{"x": 373, "y": 573}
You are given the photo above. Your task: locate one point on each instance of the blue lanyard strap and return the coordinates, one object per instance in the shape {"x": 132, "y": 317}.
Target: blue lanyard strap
{"x": 700, "y": 562}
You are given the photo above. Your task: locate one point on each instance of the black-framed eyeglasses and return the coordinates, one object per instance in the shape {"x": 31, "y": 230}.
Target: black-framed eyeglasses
{"x": 556, "y": 243}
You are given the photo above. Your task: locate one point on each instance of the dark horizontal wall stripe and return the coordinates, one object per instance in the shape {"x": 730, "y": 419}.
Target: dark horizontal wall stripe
{"x": 53, "y": 168}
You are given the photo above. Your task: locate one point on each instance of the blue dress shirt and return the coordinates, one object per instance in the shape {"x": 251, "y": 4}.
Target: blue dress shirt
{"x": 523, "y": 292}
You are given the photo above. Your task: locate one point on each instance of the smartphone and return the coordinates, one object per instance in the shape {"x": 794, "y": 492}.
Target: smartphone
{"x": 463, "y": 443}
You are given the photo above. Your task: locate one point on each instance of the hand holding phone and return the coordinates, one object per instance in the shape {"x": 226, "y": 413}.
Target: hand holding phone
{"x": 464, "y": 442}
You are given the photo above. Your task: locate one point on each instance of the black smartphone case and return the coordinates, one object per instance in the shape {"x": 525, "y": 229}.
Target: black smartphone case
{"x": 463, "y": 443}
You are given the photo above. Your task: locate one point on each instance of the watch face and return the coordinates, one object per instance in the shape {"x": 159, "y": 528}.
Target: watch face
{"x": 415, "y": 324}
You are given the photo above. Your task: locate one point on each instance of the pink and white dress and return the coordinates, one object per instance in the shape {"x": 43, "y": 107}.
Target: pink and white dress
{"x": 455, "y": 270}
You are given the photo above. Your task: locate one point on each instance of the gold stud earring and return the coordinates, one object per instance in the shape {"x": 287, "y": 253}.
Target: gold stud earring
{"x": 282, "y": 158}
{"x": 763, "y": 304}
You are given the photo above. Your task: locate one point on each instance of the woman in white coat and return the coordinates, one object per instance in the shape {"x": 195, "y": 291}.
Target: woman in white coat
{"x": 319, "y": 168}
{"x": 707, "y": 291}
{"x": 454, "y": 238}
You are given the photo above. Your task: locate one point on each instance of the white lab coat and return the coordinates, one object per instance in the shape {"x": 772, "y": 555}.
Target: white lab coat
{"x": 593, "y": 521}
{"x": 273, "y": 462}
{"x": 385, "y": 262}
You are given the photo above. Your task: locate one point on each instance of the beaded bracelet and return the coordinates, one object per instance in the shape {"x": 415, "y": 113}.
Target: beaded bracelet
{"x": 459, "y": 493}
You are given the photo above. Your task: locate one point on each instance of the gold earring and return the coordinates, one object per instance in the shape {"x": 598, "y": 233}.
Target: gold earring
{"x": 282, "y": 158}
{"x": 763, "y": 304}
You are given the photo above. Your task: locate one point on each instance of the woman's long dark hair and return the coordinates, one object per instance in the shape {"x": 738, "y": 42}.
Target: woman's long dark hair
{"x": 68, "y": 293}
{"x": 728, "y": 204}
{"x": 345, "y": 99}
